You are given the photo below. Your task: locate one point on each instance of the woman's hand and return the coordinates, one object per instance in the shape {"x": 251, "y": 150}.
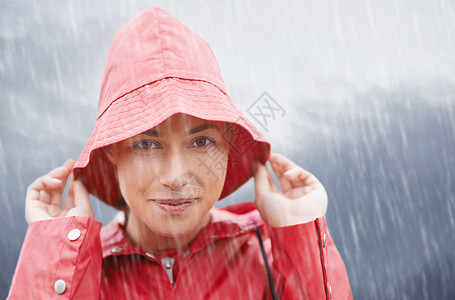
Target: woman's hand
{"x": 44, "y": 196}
{"x": 302, "y": 197}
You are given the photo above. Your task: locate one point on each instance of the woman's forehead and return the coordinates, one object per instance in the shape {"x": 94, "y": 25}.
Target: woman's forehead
{"x": 183, "y": 123}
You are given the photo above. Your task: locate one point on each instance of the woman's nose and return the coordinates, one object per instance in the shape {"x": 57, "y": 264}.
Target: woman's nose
{"x": 174, "y": 171}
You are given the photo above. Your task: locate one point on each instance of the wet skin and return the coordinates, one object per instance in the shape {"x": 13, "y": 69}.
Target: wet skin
{"x": 168, "y": 188}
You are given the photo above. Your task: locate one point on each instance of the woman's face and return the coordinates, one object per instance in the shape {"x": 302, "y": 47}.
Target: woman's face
{"x": 171, "y": 175}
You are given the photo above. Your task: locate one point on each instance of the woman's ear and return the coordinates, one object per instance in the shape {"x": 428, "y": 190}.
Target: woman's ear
{"x": 108, "y": 151}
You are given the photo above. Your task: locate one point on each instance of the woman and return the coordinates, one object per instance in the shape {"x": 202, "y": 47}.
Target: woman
{"x": 167, "y": 145}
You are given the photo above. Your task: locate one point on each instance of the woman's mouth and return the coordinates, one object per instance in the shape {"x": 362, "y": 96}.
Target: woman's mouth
{"x": 175, "y": 207}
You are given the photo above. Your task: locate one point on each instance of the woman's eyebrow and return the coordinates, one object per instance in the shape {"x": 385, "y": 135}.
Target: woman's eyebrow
{"x": 201, "y": 128}
{"x": 153, "y": 132}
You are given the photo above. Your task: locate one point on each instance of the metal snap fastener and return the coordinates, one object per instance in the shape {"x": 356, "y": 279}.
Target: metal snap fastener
{"x": 116, "y": 250}
{"x": 149, "y": 254}
{"x": 186, "y": 253}
{"x": 324, "y": 240}
{"x": 60, "y": 286}
{"x": 74, "y": 234}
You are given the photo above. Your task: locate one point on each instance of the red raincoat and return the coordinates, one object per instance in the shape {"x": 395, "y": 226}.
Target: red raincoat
{"x": 223, "y": 262}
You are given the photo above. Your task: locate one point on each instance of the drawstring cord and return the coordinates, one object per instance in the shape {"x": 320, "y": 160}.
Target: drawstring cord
{"x": 267, "y": 267}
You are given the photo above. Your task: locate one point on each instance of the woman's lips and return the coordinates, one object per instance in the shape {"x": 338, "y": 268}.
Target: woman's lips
{"x": 175, "y": 207}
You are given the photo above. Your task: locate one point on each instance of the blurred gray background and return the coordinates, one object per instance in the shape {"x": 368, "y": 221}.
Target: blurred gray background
{"x": 367, "y": 89}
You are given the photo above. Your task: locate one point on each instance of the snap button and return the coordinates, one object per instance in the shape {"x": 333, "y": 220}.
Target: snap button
{"x": 324, "y": 240}
{"x": 116, "y": 250}
{"x": 60, "y": 286}
{"x": 149, "y": 254}
{"x": 167, "y": 263}
{"x": 186, "y": 253}
{"x": 74, "y": 234}
{"x": 330, "y": 291}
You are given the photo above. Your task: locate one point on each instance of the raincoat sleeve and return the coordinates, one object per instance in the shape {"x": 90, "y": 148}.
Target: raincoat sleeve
{"x": 60, "y": 259}
{"x": 308, "y": 262}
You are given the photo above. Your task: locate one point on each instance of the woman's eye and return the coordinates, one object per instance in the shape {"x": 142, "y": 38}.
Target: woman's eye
{"x": 202, "y": 142}
{"x": 145, "y": 145}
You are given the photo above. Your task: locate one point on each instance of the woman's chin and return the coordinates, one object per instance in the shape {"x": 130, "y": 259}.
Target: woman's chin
{"x": 173, "y": 231}
{"x": 182, "y": 226}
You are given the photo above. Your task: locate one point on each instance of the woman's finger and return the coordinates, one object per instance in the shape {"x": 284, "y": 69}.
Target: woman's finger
{"x": 280, "y": 166}
{"x": 61, "y": 173}
{"x": 272, "y": 183}
{"x": 54, "y": 180}
{"x": 33, "y": 190}
{"x": 45, "y": 197}
{"x": 45, "y": 193}
{"x": 281, "y": 162}
{"x": 52, "y": 184}
{"x": 299, "y": 177}
{"x": 284, "y": 182}
{"x": 82, "y": 197}
{"x": 69, "y": 200}
{"x": 263, "y": 181}
{"x": 291, "y": 171}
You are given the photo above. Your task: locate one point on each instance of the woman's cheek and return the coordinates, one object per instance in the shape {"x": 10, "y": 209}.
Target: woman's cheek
{"x": 131, "y": 176}
{"x": 212, "y": 165}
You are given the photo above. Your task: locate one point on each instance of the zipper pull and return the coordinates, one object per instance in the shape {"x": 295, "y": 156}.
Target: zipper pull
{"x": 168, "y": 263}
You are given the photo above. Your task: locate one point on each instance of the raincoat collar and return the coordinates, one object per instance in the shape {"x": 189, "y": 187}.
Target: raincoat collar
{"x": 224, "y": 223}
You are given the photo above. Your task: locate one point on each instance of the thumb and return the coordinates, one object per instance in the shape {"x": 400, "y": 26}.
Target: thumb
{"x": 69, "y": 201}
{"x": 82, "y": 198}
{"x": 260, "y": 177}
{"x": 263, "y": 181}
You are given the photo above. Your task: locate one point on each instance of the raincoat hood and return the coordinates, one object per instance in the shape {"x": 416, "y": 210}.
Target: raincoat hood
{"x": 157, "y": 67}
